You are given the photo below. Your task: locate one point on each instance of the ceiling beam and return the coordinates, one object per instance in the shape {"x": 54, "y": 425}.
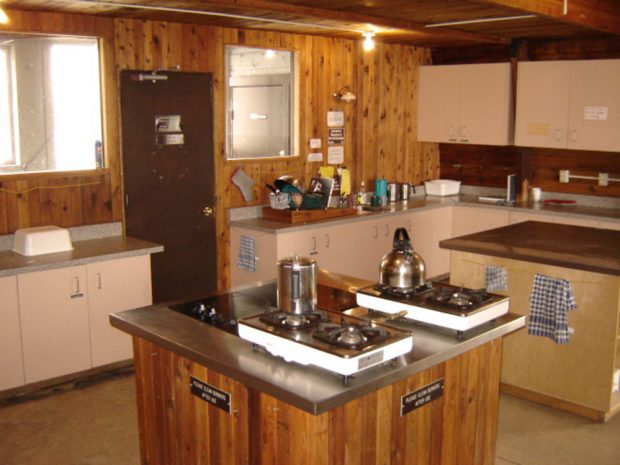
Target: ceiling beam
{"x": 346, "y": 17}
{"x": 599, "y": 15}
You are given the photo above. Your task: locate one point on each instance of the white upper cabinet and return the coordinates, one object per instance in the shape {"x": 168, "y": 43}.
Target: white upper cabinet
{"x": 569, "y": 104}
{"x": 466, "y": 104}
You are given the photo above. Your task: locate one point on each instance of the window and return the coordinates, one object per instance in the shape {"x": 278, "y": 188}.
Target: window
{"x": 50, "y": 104}
{"x": 8, "y": 155}
{"x": 261, "y": 104}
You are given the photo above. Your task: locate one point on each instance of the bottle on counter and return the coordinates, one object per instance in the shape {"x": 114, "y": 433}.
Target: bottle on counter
{"x": 362, "y": 195}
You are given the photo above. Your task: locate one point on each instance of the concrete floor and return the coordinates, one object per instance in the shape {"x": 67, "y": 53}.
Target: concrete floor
{"x": 95, "y": 424}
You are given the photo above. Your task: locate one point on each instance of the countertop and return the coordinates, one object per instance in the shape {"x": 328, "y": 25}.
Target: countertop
{"x": 88, "y": 251}
{"x": 430, "y": 202}
{"x": 308, "y": 388}
{"x": 577, "y": 247}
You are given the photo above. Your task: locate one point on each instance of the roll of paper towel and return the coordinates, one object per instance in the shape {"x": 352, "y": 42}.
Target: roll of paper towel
{"x": 616, "y": 384}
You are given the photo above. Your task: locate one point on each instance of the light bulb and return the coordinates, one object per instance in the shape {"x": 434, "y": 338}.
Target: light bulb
{"x": 3, "y": 17}
{"x": 369, "y": 42}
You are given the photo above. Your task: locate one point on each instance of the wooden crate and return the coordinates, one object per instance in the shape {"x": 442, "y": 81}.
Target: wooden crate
{"x": 306, "y": 216}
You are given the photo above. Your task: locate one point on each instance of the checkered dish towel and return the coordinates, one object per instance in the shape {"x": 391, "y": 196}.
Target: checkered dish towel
{"x": 550, "y": 301}
{"x": 495, "y": 278}
{"x": 246, "y": 260}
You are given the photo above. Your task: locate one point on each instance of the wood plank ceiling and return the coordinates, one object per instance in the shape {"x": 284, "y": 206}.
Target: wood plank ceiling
{"x": 413, "y": 22}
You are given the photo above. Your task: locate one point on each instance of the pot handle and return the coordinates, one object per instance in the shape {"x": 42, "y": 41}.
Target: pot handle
{"x": 401, "y": 239}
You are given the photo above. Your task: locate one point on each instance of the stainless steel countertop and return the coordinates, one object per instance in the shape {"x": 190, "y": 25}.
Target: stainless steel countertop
{"x": 88, "y": 251}
{"x": 308, "y": 388}
{"x": 430, "y": 202}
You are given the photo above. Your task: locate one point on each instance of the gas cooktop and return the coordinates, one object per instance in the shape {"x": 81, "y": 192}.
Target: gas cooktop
{"x": 224, "y": 310}
{"x": 442, "y": 305}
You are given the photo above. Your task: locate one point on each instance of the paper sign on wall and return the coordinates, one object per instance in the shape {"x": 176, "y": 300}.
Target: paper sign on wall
{"x": 335, "y": 155}
{"x": 595, "y": 113}
{"x": 315, "y": 143}
{"x": 317, "y": 156}
{"x": 335, "y": 119}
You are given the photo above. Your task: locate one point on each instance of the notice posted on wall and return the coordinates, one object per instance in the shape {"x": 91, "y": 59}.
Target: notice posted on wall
{"x": 315, "y": 156}
{"x": 335, "y": 119}
{"x": 335, "y": 155}
{"x": 595, "y": 113}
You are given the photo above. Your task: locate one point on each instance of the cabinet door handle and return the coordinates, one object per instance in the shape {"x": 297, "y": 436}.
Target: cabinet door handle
{"x": 76, "y": 289}
{"x": 451, "y": 136}
{"x": 98, "y": 280}
{"x": 376, "y": 231}
{"x": 313, "y": 243}
{"x": 573, "y": 135}
{"x": 326, "y": 240}
{"x": 558, "y": 134}
{"x": 463, "y": 135}
{"x": 409, "y": 225}
{"x": 387, "y": 230}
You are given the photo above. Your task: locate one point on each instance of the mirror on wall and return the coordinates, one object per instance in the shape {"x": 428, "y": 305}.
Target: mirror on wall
{"x": 261, "y": 103}
{"x": 50, "y": 104}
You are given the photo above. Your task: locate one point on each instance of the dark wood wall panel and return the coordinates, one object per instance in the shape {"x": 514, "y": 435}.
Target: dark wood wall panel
{"x": 487, "y": 165}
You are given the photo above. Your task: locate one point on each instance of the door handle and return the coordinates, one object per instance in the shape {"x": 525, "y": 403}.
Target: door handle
{"x": 208, "y": 211}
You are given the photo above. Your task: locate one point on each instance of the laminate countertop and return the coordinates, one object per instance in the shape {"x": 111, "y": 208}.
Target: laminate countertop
{"x": 87, "y": 251}
{"x": 577, "y": 212}
{"x": 577, "y": 247}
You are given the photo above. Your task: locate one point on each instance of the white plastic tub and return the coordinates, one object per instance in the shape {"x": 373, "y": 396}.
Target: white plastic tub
{"x": 442, "y": 187}
{"x": 42, "y": 240}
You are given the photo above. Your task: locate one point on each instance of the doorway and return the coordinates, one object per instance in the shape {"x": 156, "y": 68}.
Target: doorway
{"x": 168, "y": 177}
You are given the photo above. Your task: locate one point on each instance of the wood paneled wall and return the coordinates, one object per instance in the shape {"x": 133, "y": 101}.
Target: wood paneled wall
{"x": 74, "y": 198}
{"x": 488, "y": 166}
{"x": 380, "y": 125}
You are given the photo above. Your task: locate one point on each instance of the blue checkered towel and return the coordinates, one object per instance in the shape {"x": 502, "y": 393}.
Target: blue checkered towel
{"x": 495, "y": 278}
{"x": 246, "y": 260}
{"x": 550, "y": 301}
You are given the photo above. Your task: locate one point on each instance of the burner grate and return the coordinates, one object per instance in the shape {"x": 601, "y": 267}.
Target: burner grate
{"x": 350, "y": 336}
{"x": 294, "y": 321}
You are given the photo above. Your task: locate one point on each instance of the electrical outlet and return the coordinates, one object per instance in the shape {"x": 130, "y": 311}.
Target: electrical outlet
{"x": 564, "y": 175}
{"x": 603, "y": 179}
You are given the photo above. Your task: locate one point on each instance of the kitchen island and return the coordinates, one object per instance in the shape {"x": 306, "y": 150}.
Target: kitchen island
{"x": 206, "y": 396}
{"x": 578, "y": 376}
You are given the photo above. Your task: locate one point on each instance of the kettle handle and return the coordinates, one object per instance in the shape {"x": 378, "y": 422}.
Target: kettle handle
{"x": 401, "y": 239}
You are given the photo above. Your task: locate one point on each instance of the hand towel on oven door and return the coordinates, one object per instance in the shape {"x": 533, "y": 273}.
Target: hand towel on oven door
{"x": 550, "y": 302}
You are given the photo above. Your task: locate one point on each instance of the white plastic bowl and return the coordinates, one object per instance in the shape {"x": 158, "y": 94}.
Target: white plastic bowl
{"x": 42, "y": 240}
{"x": 442, "y": 187}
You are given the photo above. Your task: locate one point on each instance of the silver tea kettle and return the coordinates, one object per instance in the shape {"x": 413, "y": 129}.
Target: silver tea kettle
{"x": 402, "y": 268}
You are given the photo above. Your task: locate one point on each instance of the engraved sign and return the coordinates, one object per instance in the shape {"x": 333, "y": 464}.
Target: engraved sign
{"x": 211, "y": 394}
{"x": 169, "y": 139}
{"x": 422, "y": 396}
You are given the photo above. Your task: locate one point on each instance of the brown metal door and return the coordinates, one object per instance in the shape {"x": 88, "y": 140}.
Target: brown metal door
{"x": 169, "y": 184}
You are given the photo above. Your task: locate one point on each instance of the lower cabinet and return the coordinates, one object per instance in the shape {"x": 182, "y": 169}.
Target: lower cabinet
{"x": 469, "y": 220}
{"x": 54, "y": 322}
{"x": 60, "y": 318}
{"x": 11, "y": 359}
{"x": 114, "y": 286}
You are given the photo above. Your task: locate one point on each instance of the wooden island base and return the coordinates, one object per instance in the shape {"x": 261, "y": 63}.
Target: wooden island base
{"x": 177, "y": 427}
